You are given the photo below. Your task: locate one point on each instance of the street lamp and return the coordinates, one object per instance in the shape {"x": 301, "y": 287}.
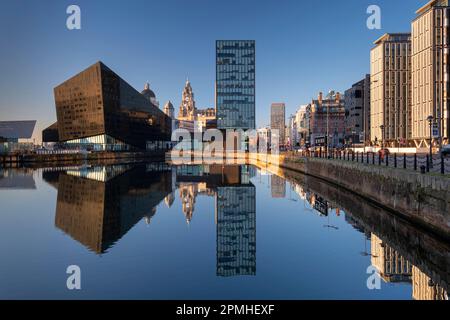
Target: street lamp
{"x": 430, "y": 121}
{"x": 382, "y": 136}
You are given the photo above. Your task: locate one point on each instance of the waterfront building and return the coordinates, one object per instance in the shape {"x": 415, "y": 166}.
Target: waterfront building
{"x": 291, "y": 131}
{"x": 326, "y": 116}
{"x": 302, "y": 125}
{"x": 14, "y": 135}
{"x": 97, "y": 109}
{"x": 235, "y": 84}
{"x": 357, "y": 111}
{"x": 278, "y": 121}
{"x": 430, "y": 71}
{"x": 191, "y": 118}
{"x": 390, "y": 90}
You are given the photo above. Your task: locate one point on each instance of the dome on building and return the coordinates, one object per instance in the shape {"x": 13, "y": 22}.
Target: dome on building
{"x": 147, "y": 92}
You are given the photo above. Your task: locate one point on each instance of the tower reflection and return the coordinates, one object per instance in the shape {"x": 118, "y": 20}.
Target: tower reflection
{"x": 235, "y": 212}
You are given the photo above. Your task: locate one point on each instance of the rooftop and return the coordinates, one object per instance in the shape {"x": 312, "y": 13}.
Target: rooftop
{"x": 17, "y": 129}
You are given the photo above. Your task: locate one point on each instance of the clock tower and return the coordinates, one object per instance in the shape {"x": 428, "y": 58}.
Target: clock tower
{"x": 187, "y": 107}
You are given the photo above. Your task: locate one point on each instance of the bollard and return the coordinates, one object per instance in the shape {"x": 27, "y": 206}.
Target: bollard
{"x": 415, "y": 161}
{"x": 404, "y": 161}
{"x": 395, "y": 160}
{"x": 387, "y": 160}
{"x": 428, "y": 163}
{"x": 442, "y": 164}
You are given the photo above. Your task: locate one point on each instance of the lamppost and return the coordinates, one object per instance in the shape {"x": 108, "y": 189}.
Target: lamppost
{"x": 430, "y": 121}
{"x": 382, "y": 136}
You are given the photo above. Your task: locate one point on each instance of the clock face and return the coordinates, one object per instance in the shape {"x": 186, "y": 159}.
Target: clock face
{"x": 187, "y": 99}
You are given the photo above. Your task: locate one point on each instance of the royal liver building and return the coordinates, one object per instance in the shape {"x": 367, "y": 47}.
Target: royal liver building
{"x": 189, "y": 116}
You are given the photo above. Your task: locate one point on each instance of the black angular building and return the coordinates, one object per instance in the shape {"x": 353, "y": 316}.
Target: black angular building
{"x": 97, "y": 108}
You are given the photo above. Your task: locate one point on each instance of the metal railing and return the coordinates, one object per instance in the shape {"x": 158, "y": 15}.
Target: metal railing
{"x": 417, "y": 162}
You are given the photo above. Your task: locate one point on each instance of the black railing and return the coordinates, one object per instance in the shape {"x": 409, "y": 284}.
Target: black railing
{"x": 415, "y": 162}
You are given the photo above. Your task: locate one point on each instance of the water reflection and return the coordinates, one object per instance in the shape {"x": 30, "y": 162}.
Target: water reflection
{"x": 13, "y": 179}
{"x": 399, "y": 252}
{"x": 97, "y": 206}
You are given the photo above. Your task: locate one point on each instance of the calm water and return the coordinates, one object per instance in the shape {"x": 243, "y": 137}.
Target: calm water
{"x": 153, "y": 231}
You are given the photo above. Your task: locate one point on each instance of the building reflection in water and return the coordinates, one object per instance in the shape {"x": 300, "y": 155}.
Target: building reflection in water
{"x": 98, "y": 205}
{"x": 391, "y": 264}
{"x": 14, "y": 179}
{"x": 277, "y": 186}
{"x": 235, "y": 212}
{"x": 236, "y": 228}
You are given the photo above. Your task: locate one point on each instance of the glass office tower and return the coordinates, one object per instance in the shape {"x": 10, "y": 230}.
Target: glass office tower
{"x": 235, "y": 84}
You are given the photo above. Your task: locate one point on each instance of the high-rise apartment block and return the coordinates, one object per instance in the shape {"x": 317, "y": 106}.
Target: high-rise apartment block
{"x": 390, "y": 102}
{"x": 430, "y": 70}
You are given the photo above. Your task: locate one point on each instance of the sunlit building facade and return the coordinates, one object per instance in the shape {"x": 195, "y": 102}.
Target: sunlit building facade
{"x": 235, "y": 84}
{"x": 326, "y": 117}
{"x": 390, "y": 101}
{"x": 430, "y": 70}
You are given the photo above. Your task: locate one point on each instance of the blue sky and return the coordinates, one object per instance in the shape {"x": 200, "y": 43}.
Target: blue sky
{"x": 302, "y": 47}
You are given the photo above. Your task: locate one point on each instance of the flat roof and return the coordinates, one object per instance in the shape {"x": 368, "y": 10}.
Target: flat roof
{"x": 431, "y": 4}
{"x": 426, "y": 7}
{"x": 17, "y": 129}
{"x": 389, "y": 35}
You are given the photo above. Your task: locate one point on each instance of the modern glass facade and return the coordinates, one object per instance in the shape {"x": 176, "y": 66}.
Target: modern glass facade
{"x": 98, "y": 103}
{"x": 101, "y": 142}
{"x": 235, "y": 84}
